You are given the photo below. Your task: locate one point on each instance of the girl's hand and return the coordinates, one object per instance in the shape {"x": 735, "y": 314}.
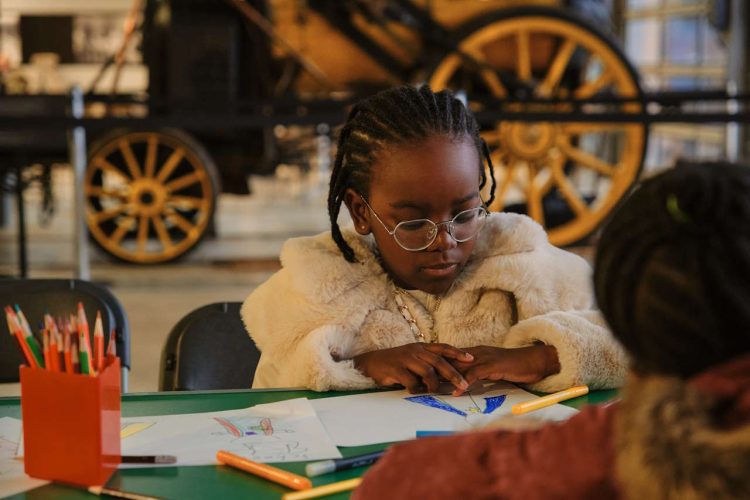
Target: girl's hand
{"x": 417, "y": 367}
{"x": 523, "y": 365}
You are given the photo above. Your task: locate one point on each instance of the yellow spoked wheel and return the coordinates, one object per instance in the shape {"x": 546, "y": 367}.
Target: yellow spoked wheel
{"x": 150, "y": 195}
{"x": 566, "y": 175}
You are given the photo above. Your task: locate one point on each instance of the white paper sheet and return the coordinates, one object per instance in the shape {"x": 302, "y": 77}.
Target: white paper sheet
{"x": 12, "y": 477}
{"x": 384, "y": 417}
{"x": 287, "y": 431}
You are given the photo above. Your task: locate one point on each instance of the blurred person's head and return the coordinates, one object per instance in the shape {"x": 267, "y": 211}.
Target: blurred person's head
{"x": 672, "y": 272}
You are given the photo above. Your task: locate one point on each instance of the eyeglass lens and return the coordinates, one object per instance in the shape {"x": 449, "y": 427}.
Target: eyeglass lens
{"x": 419, "y": 234}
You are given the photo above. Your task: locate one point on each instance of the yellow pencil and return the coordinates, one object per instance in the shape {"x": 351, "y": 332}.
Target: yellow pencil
{"x": 548, "y": 400}
{"x": 327, "y": 489}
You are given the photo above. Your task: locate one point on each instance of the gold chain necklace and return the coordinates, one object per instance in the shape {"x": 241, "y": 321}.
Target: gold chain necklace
{"x": 403, "y": 308}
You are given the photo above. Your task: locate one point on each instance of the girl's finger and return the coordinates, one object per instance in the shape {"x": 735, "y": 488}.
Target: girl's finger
{"x": 426, "y": 372}
{"x": 445, "y": 369}
{"x": 449, "y": 351}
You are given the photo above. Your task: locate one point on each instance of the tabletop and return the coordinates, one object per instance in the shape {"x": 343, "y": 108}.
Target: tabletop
{"x": 216, "y": 481}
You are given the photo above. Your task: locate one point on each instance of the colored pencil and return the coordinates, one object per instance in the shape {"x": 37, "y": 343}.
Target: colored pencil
{"x": 45, "y": 345}
{"x": 327, "y": 489}
{"x": 548, "y": 400}
{"x": 111, "y": 492}
{"x": 98, "y": 342}
{"x": 74, "y": 357}
{"x": 25, "y": 328}
{"x": 112, "y": 345}
{"x": 265, "y": 471}
{"x": 67, "y": 354}
{"x": 15, "y": 330}
{"x": 84, "y": 343}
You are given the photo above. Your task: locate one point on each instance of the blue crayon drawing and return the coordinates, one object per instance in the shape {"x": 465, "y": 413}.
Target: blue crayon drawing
{"x": 436, "y": 403}
{"x": 492, "y": 403}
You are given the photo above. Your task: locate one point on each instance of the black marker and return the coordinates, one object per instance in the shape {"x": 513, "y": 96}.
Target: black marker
{"x": 148, "y": 459}
{"x": 326, "y": 466}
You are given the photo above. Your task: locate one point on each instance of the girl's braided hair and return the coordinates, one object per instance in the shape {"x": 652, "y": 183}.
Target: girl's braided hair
{"x": 396, "y": 116}
{"x": 672, "y": 273}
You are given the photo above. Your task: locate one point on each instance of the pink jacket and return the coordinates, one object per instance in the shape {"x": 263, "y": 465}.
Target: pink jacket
{"x": 665, "y": 439}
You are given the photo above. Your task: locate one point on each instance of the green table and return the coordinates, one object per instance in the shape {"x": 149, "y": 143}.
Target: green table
{"x": 215, "y": 481}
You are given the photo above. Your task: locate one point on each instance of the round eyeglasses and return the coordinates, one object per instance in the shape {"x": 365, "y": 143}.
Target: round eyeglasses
{"x": 418, "y": 234}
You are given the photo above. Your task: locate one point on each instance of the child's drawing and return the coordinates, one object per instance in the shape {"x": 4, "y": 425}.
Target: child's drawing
{"x": 461, "y": 405}
{"x": 130, "y": 428}
{"x": 276, "y": 450}
{"x": 246, "y": 426}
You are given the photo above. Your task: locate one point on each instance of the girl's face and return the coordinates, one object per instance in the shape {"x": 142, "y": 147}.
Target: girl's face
{"x": 434, "y": 179}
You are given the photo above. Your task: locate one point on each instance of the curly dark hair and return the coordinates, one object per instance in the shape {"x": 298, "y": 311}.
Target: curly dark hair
{"x": 672, "y": 272}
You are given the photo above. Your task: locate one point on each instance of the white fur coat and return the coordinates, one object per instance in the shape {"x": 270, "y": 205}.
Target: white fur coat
{"x": 310, "y": 318}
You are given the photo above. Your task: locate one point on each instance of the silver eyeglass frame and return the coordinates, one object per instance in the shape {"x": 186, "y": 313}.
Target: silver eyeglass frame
{"x": 447, "y": 223}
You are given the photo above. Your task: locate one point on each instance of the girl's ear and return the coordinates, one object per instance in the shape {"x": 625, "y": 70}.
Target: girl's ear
{"x": 358, "y": 211}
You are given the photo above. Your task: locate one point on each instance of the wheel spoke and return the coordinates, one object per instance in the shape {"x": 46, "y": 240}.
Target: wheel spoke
{"x": 524, "y": 56}
{"x": 556, "y": 69}
{"x": 502, "y": 191}
{"x": 106, "y": 166}
{"x": 534, "y": 199}
{"x": 567, "y": 189}
{"x": 161, "y": 231}
{"x": 130, "y": 161}
{"x": 174, "y": 159}
{"x": 590, "y": 88}
{"x": 184, "y": 181}
{"x": 142, "y": 234}
{"x": 488, "y": 74}
{"x": 586, "y": 159}
{"x": 180, "y": 222}
{"x": 150, "y": 166}
{"x": 187, "y": 201}
{"x": 102, "y": 192}
{"x": 122, "y": 229}
{"x": 106, "y": 215}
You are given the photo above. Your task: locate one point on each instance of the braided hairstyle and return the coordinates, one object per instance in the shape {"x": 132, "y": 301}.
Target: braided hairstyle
{"x": 672, "y": 273}
{"x": 396, "y": 116}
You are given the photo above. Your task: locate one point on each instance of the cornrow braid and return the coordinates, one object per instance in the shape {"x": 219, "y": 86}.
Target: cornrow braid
{"x": 396, "y": 116}
{"x": 672, "y": 272}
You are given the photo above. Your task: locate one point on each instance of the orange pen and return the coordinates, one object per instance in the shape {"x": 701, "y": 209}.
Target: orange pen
{"x": 98, "y": 342}
{"x": 280, "y": 476}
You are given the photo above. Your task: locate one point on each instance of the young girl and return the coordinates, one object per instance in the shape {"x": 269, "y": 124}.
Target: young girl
{"x": 673, "y": 280}
{"x": 428, "y": 285}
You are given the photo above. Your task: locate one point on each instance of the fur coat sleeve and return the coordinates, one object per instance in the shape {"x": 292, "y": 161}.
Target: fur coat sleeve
{"x": 319, "y": 311}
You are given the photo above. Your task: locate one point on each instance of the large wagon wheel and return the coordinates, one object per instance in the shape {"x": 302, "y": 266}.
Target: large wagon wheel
{"x": 567, "y": 176}
{"x": 150, "y": 195}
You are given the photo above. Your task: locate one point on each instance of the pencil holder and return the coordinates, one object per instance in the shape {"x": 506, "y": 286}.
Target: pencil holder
{"x": 71, "y": 424}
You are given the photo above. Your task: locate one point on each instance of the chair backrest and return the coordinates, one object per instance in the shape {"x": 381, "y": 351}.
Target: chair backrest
{"x": 59, "y": 297}
{"x": 209, "y": 348}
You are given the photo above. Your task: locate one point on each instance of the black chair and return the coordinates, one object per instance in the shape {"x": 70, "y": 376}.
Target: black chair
{"x": 60, "y": 297}
{"x": 209, "y": 348}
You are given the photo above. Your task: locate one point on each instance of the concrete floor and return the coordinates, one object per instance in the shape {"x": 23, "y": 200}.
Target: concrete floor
{"x": 251, "y": 230}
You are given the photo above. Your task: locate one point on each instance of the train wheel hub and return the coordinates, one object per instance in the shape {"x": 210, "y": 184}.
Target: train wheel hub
{"x": 528, "y": 141}
{"x": 148, "y": 196}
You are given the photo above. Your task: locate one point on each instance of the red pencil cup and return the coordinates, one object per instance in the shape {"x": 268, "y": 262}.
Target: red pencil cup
{"x": 71, "y": 424}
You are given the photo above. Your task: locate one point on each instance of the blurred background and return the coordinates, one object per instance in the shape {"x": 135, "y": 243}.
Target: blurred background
{"x": 208, "y": 127}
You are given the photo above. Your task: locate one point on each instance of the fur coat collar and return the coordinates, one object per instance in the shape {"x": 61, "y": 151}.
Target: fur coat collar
{"x": 678, "y": 440}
